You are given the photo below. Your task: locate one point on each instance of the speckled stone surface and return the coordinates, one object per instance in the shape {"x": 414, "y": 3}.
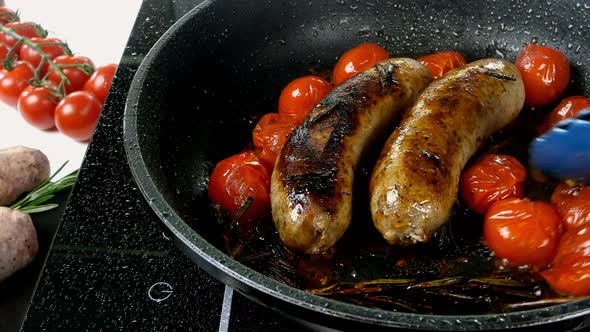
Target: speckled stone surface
{"x": 112, "y": 267}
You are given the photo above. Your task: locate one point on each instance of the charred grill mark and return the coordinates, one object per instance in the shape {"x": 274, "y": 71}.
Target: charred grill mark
{"x": 498, "y": 75}
{"x": 386, "y": 74}
{"x": 310, "y": 158}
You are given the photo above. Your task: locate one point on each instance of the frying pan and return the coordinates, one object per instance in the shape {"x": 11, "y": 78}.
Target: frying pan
{"x": 199, "y": 91}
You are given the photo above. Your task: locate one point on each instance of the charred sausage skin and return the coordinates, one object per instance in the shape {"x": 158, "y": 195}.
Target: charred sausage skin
{"x": 311, "y": 185}
{"x": 414, "y": 184}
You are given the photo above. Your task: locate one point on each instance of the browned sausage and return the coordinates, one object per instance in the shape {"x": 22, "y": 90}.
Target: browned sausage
{"x": 414, "y": 184}
{"x": 311, "y": 187}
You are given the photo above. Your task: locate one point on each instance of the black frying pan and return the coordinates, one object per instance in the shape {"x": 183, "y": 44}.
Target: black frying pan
{"x": 199, "y": 91}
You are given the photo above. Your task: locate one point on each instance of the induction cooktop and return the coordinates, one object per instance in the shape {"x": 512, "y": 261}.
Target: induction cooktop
{"x": 112, "y": 265}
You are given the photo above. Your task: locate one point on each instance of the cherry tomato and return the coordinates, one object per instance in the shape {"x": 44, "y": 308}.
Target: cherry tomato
{"x": 100, "y": 81}
{"x": 77, "y": 114}
{"x": 12, "y": 83}
{"x": 570, "y": 270}
{"x": 356, "y": 60}
{"x": 270, "y": 135}
{"x": 438, "y": 64}
{"x": 236, "y": 178}
{"x": 545, "y": 72}
{"x": 491, "y": 178}
{"x": 24, "y": 29}
{"x": 76, "y": 76}
{"x": 7, "y": 16}
{"x": 300, "y": 96}
{"x": 522, "y": 231}
{"x": 567, "y": 108}
{"x": 37, "y": 106}
{"x": 573, "y": 204}
{"x": 52, "y": 51}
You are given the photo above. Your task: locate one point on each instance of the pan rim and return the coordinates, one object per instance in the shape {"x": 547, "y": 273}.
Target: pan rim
{"x": 237, "y": 273}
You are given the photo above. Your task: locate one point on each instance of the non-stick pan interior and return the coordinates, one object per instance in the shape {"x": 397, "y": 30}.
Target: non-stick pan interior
{"x": 202, "y": 88}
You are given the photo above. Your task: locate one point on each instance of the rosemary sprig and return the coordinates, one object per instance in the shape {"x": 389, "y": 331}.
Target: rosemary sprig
{"x": 34, "y": 201}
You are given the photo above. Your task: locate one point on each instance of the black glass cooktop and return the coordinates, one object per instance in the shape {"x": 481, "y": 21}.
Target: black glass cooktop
{"x": 112, "y": 265}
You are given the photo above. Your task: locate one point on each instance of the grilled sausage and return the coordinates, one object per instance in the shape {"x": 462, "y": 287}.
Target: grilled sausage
{"x": 311, "y": 185}
{"x": 414, "y": 184}
{"x": 21, "y": 170}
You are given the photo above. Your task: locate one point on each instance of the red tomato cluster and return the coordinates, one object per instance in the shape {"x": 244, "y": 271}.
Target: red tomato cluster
{"x": 37, "y": 94}
{"x": 555, "y": 236}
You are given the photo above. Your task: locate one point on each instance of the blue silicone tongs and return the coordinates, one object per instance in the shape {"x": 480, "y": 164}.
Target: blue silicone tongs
{"x": 564, "y": 151}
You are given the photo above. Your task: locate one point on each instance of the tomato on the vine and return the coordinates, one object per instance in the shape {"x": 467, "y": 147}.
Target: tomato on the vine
{"x": 545, "y": 72}
{"x": 24, "y": 29}
{"x": 77, "y": 114}
{"x": 3, "y": 53}
{"x": 270, "y": 135}
{"x": 7, "y": 16}
{"x": 100, "y": 81}
{"x": 573, "y": 204}
{"x": 357, "y": 59}
{"x": 523, "y": 231}
{"x": 13, "y": 82}
{"x": 301, "y": 95}
{"x": 37, "y": 106}
{"x": 491, "y": 178}
{"x": 567, "y": 108}
{"x": 55, "y": 49}
{"x": 76, "y": 75}
{"x": 236, "y": 178}
{"x": 438, "y": 64}
{"x": 570, "y": 270}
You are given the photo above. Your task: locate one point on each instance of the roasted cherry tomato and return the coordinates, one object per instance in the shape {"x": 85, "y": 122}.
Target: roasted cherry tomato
{"x": 438, "y": 64}
{"x": 570, "y": 270}
{"x": 76, "y": 75}
{"x": 356, "y": 60}
{"x": 37, "y": 106}
{"x": 13, "y": 82}
{"x": 522, "y": 231}
{"x": 236, "y": 178}
{"x": 100, "y": 81}
{"x": 491, "y": 178}
{"x": 77, "y": 114}
{"x": 567, "y": 108}
{"x": 24, "y": 29}
{"x": 300, "y": 96}
{"x": 573, "y": 204}
{"x": 52, "y": 47}
{"x": 270, "y": 135}
{"x": 545, "y": 72}
{"x": 7, "y": 16}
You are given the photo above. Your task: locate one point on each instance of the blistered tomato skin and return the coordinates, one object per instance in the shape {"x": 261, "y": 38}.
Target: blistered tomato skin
{"x": 438, "y": 64}
{"x": 545, "y": 72}
{"x": 270, "y": 135}
{"x": 567, "y": 108}
{"x": 491, "y": 178}
{"x": 236, "y": 178}
{"x": 301, "y": 95}
{"x": 358, "y": 59}
{"x": 570, "y": 270}
{"x": 522, "y": 231}
{"x": 572, "y": 204}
